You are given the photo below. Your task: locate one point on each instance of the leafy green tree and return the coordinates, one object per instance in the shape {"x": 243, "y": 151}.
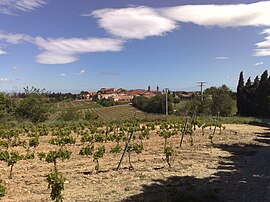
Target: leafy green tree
{"x": 222, "y": 101}
{"x": 156, "y": 104}
{"x": 34, "y": 107}
{"x": 7, "y": 106}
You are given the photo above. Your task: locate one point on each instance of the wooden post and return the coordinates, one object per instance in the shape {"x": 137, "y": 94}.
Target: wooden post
{"x": 215, "y": 129}
{"x": 127, "y": 144}
{"x": 184, "y": 131}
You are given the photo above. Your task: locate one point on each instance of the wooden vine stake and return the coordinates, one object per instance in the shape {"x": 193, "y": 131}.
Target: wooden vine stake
{"x": 127, "y": 144}
{"x": 215, "y": 129}
{"x": 184, "y": 132}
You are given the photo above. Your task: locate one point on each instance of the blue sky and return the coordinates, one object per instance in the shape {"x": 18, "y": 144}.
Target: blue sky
{"x": 70, "y": 46}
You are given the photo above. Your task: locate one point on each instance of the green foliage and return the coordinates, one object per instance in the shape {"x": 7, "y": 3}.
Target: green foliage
{"x": 56, "y": 184}
{"x": 52, "y": 156}
{"x": 253, "y": 97}
{"x": 168, "y": 151}
{"x": 69, "y": 115}
{"x": 216, "y": 100}
{"x": 97, "y": 155}
{"x": 90, "y": 116}
{"x": 98, "y": 138}
{"x": 137, "y": 148}
{"x": 11, "y": 158}
{"x": 34, "y": 107}
{"x": 29, "y": 156}
{"x": 34, "y": 142}
{"x": 62, "y": 140}
{"x": 3, "y": 190}
{"x": 87, "y": 150}
{"x": 87, "y": 138}
{"x": 166, "y": 134}
{"x": 154, "y": 104}
{"x": 107, "y": 102}
{"x": 7, "y": 106}
{"x": 116, "y": 149}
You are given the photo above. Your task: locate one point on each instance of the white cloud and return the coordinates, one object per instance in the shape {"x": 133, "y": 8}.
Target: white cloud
{"x": 2, "y": 52}
{"x": 263, "y": 48}
{"x": 5, "y": 80}
{"x": 221, "y": 58}
{"x": 258, "y": 63}
{"x": 134, "y": 23}
{"x": 10, "y": 7}
{"x": 234, "y": 15}
{"x": 65, "y": 50}
{"x": 14, "y": 38}
{"x": 81, "y": 72}
{"x": 63, "y": 74}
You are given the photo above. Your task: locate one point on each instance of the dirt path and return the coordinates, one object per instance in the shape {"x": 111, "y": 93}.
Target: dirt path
{"x": 236, "y": 168}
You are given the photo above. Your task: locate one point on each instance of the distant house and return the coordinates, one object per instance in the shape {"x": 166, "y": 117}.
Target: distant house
{"x": 107, "y": 90}
{"x": 106, "y": 96}
{"x": 87, "y": 95}
{"x": 183, "y": 94}
{"x": 151, "y": 93}
{"x": 116, "y": 97}
{"x": 123, "y": 98}
{"x": 135, "y": 92}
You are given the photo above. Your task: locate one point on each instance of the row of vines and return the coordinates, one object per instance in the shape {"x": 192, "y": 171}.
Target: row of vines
{"x": 94, "y": 140}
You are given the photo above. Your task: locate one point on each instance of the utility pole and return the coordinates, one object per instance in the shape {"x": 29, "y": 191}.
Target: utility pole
{"x": 201, "y": 84}
{"x": 166, "y": 90}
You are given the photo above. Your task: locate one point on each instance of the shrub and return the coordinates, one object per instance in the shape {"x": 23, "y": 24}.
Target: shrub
{"x": 34, "y": 107}
{"x": 70, "y": 115}
{"x": 90, "y": 116}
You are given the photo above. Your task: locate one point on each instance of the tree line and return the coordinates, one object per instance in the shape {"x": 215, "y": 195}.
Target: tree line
{"x": 216, "y": 100}
{"x": 253, "y": 97}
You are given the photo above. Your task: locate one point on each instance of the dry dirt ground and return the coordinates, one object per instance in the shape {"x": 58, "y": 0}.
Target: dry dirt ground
{"x": 235, "y": 168}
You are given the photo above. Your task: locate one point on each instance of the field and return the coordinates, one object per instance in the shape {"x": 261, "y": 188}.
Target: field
{"x": 234, "y": 168}
{"x": 75, "y": 105}
{"x": 114, "y": 113}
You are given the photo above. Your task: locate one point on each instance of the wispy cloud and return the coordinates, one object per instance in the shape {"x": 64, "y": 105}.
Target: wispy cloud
{"x": 221, "y": 58}
{"x": 258, "y": 63}
{"x": 11, "y": 7}
{"x": 81, "y": 72}
{"x": 63, "y": 74}
{"x": 110, "y": 73}
{"x": 11, "y": 38}
{"x": 134, "y": 23}
{"x": 62, "y": 50}
{"x": 2, "y": 52}
{"x": 234, "y": 15}
{"x": 263, "y": 48}
{"x": 5, "y": 80}
{"x": 15, "y": 68}
{"x": 66, "y": 50}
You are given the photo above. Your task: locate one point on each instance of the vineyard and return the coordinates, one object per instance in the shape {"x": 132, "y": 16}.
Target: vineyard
{"x": 76, "y": 105}
{"x": 165, "y": 160}
{"x": 114, "y": 113}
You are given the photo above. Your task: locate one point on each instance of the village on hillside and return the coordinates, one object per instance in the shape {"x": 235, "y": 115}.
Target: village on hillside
{"x": 123, "y": 95}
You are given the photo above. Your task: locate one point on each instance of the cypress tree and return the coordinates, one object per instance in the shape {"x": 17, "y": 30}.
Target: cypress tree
{"x": 261, "y": 94}
{"x": 240, "y": 94}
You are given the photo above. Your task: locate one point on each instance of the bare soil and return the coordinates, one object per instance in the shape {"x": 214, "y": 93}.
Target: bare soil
{"x": 235, "y": 168}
